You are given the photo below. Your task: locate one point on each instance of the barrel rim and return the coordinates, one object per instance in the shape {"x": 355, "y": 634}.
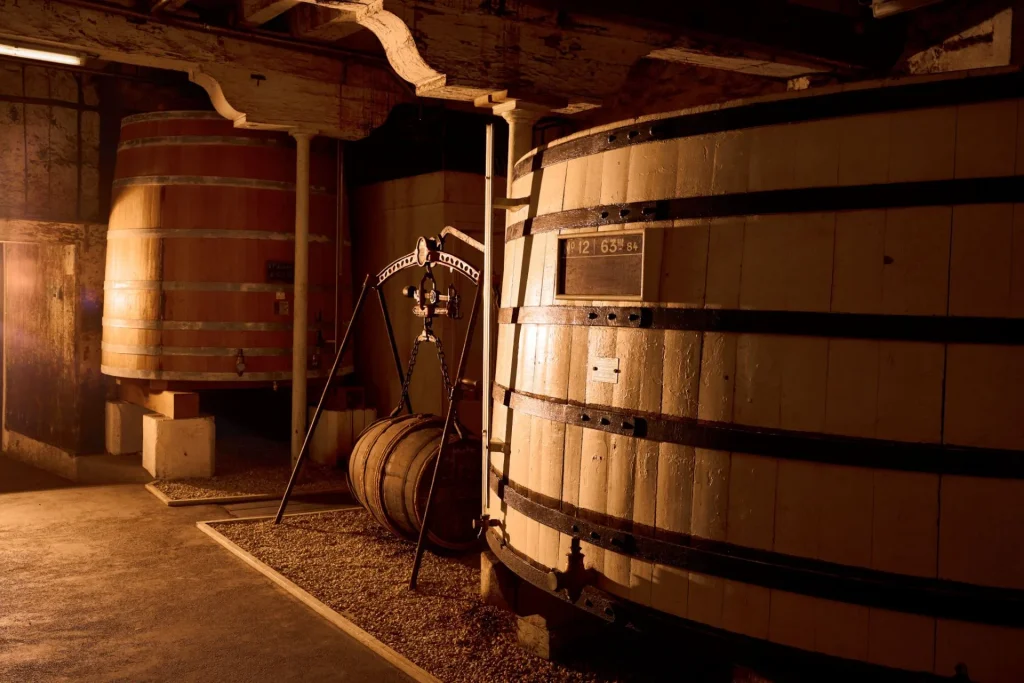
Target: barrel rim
{"x": 892, "y": 94}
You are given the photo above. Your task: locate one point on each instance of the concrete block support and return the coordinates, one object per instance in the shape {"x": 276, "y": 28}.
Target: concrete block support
{"x": 124, "y": 427}
{"x": 337, "y": 432}
{"x": 498, "y": 584}
{"x": 175, "y": 449}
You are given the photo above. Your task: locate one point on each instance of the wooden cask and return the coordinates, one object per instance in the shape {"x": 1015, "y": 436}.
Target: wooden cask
{"x": 201, "y": 250}
{"x": 763, "y": 360}
{"x": 390, "y": 471}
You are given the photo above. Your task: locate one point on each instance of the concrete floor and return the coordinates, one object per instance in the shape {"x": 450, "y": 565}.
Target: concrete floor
{"x": 104, "y": 583}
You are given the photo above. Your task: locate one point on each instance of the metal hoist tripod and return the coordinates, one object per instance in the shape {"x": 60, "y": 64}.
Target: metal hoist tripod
{"x": 430, "y": 303}
{"x": 429, "y": 252}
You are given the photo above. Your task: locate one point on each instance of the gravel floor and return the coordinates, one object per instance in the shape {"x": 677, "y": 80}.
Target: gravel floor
{"x": 251, "y": 466}
{"x": 350, "y": 563}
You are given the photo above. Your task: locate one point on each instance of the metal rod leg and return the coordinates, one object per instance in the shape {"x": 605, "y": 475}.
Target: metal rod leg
{"x": 444, "y": 437}
{"x": 394, "y": 345}
{"x": 323, "y": 399}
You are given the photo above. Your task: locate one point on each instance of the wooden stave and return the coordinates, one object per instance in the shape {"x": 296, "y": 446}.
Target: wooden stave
{"x": 268, "y": 210}
{"x": 405, "y": 464}
{"x": 524, "y": 536}
{"x": 390, "y": 472}
{"x": 356, "y": 471}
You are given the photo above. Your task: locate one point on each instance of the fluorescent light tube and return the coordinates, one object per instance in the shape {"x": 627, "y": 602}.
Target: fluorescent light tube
{"x": 40, "y": 55}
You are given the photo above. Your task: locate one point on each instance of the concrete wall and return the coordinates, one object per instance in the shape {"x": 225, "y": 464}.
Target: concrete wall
{"x": 58, "y": 144}
{"x": 386, "y": 220}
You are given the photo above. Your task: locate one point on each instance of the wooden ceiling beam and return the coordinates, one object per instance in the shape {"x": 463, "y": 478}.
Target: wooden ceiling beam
{"x": 259, "y": 12}
{"x": 255, "y": 83}
{"x": 168, "y": 5}
{"x": 316, "y": 22}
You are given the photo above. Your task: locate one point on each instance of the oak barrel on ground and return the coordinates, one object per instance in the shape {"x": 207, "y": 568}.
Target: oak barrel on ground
{"x": 390, "y": 470}
{"x": 772, "y": 349}
{"x": 200, "y": 252}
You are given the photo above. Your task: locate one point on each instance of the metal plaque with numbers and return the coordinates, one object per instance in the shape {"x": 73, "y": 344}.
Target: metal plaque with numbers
{"x": 600, "y": 265}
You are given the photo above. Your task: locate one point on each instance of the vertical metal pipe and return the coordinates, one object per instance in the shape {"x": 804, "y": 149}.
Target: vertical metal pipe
{"x": 487, "y": 280}
{"x": 300, "y": 306}
{"x": 456, "y": 383}
{"x": 323, "y": 399}
{"x": 339, "y": 224}
{"x": 394, "y": 346}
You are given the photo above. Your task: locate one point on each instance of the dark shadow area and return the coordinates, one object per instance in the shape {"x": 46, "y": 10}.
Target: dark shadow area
{"x": 16, "y": 477}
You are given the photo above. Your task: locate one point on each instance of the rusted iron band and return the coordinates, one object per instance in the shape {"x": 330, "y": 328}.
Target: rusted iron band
{"x": 172, "y": 116}
{"x": 786, "y": 444}
{"x": 204, "y": 140}
{"x": 209, "y": 233}
{"x": 250, "y": 352}
{"x": 213, "y": 376}
{"x": 938, "y": 329}
{"x": 139, "y": 324}
{"x": 793, "y": 109}
{"x": 213, "y": 181}
{"x": 998, "y": 190}
{"x": 857, "y": 585}
{"x": 181, "y": 286}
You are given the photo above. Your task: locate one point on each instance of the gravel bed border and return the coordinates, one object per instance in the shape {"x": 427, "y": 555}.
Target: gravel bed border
{"x": 227, "y": 500}
{"x": 390, "y": 655}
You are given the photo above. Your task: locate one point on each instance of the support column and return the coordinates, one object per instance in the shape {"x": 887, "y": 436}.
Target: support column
{"x": 300, "y": 306}
{"x": 520, "y": 117}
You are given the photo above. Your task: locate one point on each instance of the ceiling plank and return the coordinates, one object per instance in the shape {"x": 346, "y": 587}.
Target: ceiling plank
{"x": 168, "y": 5}
{"x": 259, "y": 12}
{"x": 256, "y": 83}
{"x": 316, "y": 22}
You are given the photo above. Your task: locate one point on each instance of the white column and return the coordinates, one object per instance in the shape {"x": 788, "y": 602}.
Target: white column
{"x": 520, "y": 117}
{"x": 300, "y": 306}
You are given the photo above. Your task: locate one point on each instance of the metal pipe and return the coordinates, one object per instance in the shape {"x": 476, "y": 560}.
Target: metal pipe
{"x": 300, "y": 304}
{"x": 420, "y": 543}
{"x": 391, "y": 341}
{"x": 339, "y": 223}
{"x": 323, "y": 399}
{"x": 486, "y": 280}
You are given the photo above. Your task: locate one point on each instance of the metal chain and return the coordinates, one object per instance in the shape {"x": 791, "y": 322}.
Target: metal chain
{"x": 444, "y": 376}
{"x": 408, "y": 377}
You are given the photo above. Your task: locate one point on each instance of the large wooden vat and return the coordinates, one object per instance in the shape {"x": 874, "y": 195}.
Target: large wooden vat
{"x": 200, "y": 252}
{"x": 390, "y": 470}
{"x": 764, "y": 359}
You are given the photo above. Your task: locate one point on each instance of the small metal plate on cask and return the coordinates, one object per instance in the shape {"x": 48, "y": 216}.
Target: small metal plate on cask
{"x": 600, "y": 265}
{"x": 604, "y": 370}
{"x": 280, "y": 271}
